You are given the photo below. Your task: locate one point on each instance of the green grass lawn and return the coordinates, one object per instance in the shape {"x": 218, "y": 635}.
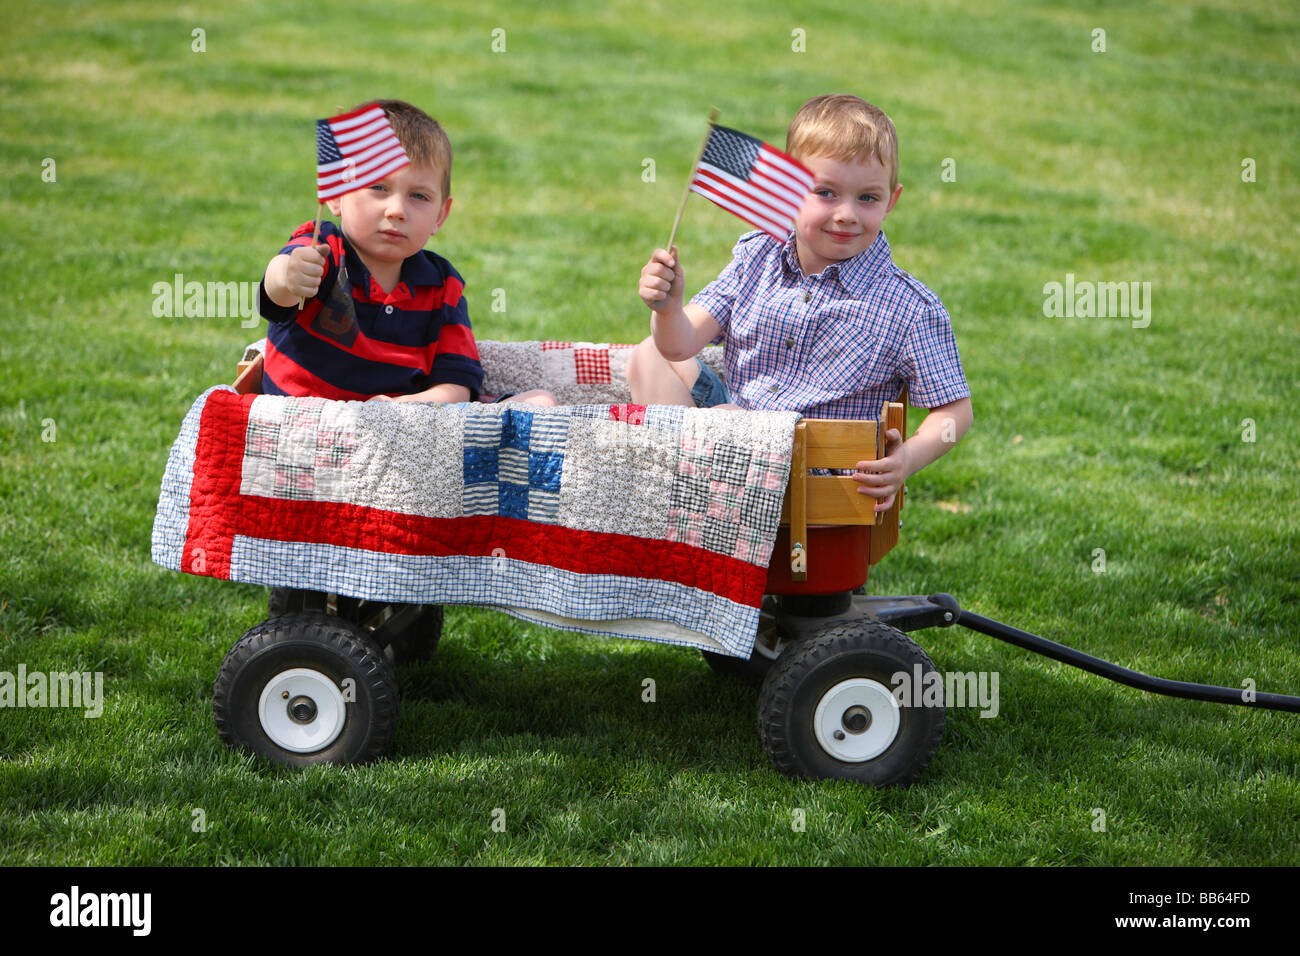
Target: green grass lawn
{"x": 1093, "y": 439}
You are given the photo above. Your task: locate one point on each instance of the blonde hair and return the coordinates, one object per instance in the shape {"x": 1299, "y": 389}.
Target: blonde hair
{"x": 844, "y": 128}
{"x": 424, "y": 140}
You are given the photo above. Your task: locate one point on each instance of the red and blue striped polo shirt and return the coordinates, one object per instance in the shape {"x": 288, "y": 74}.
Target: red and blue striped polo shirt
{"x": 353, "y": 340}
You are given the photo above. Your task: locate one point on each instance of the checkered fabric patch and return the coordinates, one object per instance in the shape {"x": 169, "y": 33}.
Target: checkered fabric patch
{"x": 292, "y": 450}
{"x": 591, "y": 366}
{"x": 723, "y": 495}
{"x": 262, "y": 438}
{"x": 513, "y": 464}
{"x": 632, "y": 414}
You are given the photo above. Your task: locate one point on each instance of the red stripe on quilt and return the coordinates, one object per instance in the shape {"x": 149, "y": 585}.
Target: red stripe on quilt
{"x": 582, "y": 552}
{"x": 218, "y": 471}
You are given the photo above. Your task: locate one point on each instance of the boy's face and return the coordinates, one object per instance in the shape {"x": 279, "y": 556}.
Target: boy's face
{"x": 842, "y": 215}
{"x": 392, "y": 219}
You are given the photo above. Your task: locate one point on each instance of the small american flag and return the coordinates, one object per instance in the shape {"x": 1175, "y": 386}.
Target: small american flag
{"x": 355, "y": 150}
{"x": 757, "y": 182}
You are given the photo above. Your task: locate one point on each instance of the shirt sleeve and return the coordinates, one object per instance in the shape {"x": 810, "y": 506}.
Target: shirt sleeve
{"x": 719, "y": 296}
{"x": 456, "y": 360}
{"x": 929, "y": 361}
{"x": 302, "y": 237}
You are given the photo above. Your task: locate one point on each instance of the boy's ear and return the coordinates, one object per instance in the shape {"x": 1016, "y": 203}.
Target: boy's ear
{"x": 893, "y": 200}
{"x": 442, "y": 216}
{"x": 334, "y": 205}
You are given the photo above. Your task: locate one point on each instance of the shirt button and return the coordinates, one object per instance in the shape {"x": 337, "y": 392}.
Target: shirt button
{"x": 774, "y": 389}
{"x": 789, "y": 343}
{"x": 807, "y": 296}
{"x": 388, "y": 309}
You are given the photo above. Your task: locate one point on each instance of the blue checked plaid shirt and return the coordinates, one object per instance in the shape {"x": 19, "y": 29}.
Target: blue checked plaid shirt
{"x": 834, "y": 345}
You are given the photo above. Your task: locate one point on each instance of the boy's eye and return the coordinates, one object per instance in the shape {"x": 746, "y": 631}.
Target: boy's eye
{"x": 421, "y": 196}
{"x": 824, "y": 192}
{"x": 867, "y": 197}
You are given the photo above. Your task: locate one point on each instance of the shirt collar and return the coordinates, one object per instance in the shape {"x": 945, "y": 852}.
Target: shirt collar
{"x": 855, "y": 274}
{"x": 417, "y": 270}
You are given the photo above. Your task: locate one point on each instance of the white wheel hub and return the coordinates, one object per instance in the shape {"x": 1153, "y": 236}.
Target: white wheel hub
{"x": 302, "y": 710}
{"x": 857, "y": 720}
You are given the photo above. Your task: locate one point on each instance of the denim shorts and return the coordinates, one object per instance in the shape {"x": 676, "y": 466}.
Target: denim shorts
{"x": 708, "y": 389}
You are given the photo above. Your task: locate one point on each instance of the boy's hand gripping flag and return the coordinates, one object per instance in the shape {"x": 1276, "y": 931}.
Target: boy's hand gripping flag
{"x": 355, "y": 150}
{"x": 757, "y": 182}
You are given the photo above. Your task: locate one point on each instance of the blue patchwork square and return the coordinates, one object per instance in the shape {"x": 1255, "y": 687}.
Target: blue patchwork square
{"x": 513, "y": 464}
{"x": 545, "y": 470}
{"x": 516, "y": 429}
{"x": 480, "y": 464}
{"x": 512, "y": 500}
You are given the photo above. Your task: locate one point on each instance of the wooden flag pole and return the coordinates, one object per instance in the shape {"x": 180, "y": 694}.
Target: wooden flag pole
{"x": 314, "y": 233}
{"x": 713, "y": 119}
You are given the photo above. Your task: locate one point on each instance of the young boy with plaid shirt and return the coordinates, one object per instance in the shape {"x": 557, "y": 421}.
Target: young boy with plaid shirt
{"x": 824, "y": 324}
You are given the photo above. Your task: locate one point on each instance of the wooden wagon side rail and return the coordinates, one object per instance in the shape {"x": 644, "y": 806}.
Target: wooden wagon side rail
{"x": 834, "y": 499}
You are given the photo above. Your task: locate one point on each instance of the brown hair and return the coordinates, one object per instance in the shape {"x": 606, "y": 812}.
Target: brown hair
{"x": 844, "y": 128}
{"x": 423, "y": 138}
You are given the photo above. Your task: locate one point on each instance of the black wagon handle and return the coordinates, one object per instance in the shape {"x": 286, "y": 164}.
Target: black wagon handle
{"x": 942, "y": 610}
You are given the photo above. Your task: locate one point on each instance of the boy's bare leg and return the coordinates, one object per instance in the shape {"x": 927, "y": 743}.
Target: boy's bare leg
{"x": 536, "y": 396}
{"x": 654, "y": 380}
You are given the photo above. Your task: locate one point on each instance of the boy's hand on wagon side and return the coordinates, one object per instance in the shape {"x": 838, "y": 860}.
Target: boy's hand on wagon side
{"x": 883, "y": 477}
{"x": 662, "y": 281}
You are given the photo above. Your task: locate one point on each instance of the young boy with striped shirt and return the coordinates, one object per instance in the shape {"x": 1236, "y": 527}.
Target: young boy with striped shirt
{"x": 384, "y": 318}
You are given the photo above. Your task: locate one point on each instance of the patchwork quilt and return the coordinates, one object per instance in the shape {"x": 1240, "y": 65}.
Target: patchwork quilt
{"x": 646, "y": 522}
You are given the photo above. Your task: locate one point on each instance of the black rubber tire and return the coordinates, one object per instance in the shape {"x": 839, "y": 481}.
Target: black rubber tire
{"x": 809, "y": 669}
{"x": 322, "y": 642}
{"x": 415, "y": 642}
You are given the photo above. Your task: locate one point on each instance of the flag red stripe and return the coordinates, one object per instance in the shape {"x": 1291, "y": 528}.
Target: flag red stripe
{"x": 796, "y": 173}
{"x": 352, "y": 147}
{"x": 775, "y": 196}
{"x": 357, "y": 168}
{"x": 729, "y": 202}
{"x": 362, "y": 114}
{"x": 774, "y": 207}
{"x": 350, "y": 137}
{"x": 359, "y": 157}
{"x": 761, "y": 179}
{"x": 362, "y": 181}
